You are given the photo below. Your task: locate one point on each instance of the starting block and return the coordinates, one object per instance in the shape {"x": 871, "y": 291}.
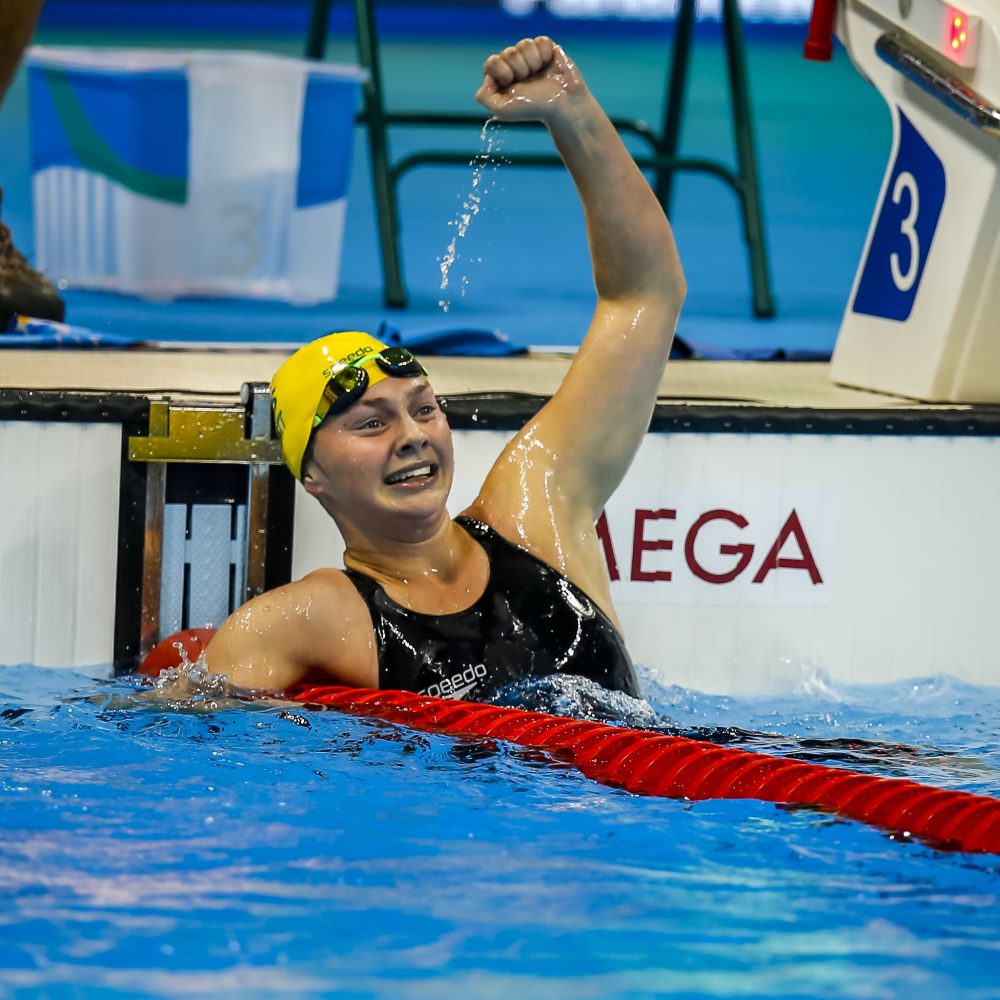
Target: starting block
{"x": 923, "y": 319}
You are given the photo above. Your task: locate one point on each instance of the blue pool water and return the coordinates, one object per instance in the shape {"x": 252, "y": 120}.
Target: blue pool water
{"x": 166, "y": 847}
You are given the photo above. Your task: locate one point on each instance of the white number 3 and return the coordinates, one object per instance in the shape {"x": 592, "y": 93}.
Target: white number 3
{"x": 906, "y": 182}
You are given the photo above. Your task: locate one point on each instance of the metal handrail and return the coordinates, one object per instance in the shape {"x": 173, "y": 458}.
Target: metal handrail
{"x": 386, "y": 174}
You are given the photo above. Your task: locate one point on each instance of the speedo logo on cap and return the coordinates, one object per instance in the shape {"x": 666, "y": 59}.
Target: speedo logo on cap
{"x": 348, "y": 359}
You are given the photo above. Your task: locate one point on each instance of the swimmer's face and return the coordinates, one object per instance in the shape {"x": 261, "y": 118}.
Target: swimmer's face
{"x": 390, "y": 453}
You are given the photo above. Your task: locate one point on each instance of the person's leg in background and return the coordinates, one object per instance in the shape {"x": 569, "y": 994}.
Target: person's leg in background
{"x": 22, "y": 289}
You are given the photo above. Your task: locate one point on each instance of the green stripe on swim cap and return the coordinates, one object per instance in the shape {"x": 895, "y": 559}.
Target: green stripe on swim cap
{"x": 297, "y": 386}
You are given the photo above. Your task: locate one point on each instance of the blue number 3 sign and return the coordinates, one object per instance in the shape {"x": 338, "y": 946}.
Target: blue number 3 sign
{"x": 911, "y": 207}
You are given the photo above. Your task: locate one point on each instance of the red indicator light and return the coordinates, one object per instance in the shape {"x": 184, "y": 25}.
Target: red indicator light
{"x": 960, "y": 36}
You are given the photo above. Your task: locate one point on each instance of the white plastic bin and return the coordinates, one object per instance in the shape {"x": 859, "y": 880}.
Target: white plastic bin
{"x": 166, "y": 173}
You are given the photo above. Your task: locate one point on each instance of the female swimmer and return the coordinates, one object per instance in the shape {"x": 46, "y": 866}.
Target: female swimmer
{"x": 517, "y": 584}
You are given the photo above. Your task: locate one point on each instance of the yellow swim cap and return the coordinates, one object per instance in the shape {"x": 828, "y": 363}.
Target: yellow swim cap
{"x": 297, "y": 386}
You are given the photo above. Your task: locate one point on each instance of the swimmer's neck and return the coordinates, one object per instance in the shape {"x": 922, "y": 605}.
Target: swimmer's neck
{"x": 414, "y": 552}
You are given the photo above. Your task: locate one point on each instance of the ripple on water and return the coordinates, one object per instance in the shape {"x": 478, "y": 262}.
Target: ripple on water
{"x": 158, "y": 846}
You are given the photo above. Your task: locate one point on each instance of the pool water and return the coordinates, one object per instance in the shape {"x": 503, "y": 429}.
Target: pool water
{"x": 159, "y": 845}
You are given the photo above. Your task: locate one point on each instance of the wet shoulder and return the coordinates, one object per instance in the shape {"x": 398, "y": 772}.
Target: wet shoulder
{"x": 334, "y": 627}
{"x": 326, "y": 593}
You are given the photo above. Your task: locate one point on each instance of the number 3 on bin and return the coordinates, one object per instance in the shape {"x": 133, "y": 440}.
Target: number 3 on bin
{"x": 907, "y": 218}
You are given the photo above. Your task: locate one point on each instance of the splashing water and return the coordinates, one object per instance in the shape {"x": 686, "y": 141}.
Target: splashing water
{"x": 471, "y": 206}
{"x": 190, "y": 684}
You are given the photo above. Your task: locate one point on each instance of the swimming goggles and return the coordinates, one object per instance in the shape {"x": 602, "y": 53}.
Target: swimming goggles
{"x": 348, "y": 382}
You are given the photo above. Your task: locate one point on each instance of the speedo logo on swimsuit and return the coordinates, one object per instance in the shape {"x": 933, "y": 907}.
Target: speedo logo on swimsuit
{"x": 457, "y": 685}
{"x": 353, "y": 356}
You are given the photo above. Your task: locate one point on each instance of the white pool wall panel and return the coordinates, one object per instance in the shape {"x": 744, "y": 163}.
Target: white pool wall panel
{"x": 59, "y": 495}
{"x": 900, "y": 531}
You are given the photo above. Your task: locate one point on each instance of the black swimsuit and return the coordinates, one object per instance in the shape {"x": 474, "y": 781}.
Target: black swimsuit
{"x": 530, "y": 622}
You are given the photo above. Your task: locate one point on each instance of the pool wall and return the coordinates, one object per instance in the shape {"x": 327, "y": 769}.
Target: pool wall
{"x": 761, "y": 540}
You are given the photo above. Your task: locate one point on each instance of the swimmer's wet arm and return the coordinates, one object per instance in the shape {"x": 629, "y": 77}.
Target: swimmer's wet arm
{"x": 278, "y": 638}
{"x": 598, "y": 417}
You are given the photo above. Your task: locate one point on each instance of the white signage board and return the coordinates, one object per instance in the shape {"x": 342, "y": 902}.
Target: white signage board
{"x": 752, "y": 563}
{"x": 59, "y": 485}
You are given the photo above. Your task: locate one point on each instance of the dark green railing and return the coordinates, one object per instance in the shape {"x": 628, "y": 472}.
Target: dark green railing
{"x": 663, "y": 161}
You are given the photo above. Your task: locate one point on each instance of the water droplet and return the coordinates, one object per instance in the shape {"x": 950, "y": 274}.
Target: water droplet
{"x": 471, "y": 206}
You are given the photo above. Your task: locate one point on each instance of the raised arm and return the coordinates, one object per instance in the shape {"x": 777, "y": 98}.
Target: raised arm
{"x": 591, "y": 428}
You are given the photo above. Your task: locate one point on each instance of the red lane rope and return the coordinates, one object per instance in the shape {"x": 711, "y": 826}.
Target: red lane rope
{"x": 654, "y": 764}
{"x": 675, "y": 766}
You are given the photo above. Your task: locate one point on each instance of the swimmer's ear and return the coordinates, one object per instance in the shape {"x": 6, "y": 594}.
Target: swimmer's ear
{"x": 315, "y": 488}
{"x": 310, "y": 485}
